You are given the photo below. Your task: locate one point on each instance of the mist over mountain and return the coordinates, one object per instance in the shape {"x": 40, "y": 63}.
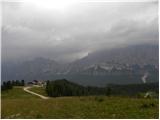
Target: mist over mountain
{"x": 90, "y": 43}
{"x": 120, "y": 65}
{"x": 133, "y": 54}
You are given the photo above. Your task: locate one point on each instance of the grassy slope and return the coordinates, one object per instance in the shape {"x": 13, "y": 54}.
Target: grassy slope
{"x": 39, "y": 90}
{"x": 16, "y": 92}
{"x": 76, "y": 107}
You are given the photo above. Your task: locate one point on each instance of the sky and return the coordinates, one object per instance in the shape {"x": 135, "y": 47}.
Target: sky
{"x": 68, "y": 30}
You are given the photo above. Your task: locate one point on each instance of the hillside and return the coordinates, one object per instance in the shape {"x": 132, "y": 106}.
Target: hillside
{"x": 23, "y": 105}
{"x": 64, "y": 87}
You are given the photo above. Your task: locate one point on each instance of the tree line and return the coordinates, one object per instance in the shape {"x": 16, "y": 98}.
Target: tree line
{"x": 63, "y": 87}
{"x": 9, "y": 84}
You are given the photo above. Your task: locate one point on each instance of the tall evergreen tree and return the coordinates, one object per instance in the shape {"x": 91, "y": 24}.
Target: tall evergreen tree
{"x": 22, "y": 83}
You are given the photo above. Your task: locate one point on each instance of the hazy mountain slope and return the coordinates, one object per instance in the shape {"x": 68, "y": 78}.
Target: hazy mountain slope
{"x": 34, "y": 69}
{"x": 132, "y": 64}
{"x": 137, "y": 54}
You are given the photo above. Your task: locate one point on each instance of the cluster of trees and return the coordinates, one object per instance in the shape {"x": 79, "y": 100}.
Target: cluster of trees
{"x": 65, "y": 88}
{"x": 18, "y": 83}
{"x": 9, "y": 84}
{"x": 6, "y": 85}
{"x": 134, "y": 89}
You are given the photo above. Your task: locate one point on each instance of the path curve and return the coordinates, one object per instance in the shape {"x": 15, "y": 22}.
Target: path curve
{"x": 41, "y": 96}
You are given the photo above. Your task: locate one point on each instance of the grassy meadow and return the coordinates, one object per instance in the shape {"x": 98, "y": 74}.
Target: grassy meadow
{"x": 39, "y": 90}
{"x": 16, "y": 103}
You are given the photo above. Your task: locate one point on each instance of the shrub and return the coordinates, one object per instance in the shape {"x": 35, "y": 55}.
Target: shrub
{"x": 144, "y": 105}
{"x": 99, "y": 99}
{"x": 38, "y": 116}
{"x": 147, "y": 105}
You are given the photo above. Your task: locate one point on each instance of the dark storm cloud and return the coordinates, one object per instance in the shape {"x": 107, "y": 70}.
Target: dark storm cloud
{"x": 29, "y": 32}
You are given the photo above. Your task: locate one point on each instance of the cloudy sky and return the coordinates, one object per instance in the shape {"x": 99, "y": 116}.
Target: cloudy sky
{"x": 66, "y": 31}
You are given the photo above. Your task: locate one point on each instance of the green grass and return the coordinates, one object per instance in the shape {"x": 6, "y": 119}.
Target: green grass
{"x": 39, "y": 90}
{"x": 76, "y": 107}
{"x": 16, "y": 92}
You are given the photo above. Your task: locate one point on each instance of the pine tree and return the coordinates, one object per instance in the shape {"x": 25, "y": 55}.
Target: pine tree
{"x": 22, "y": 83}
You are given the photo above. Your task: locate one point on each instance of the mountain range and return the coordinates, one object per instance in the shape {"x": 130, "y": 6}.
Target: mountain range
{"x": 125, "y": 65}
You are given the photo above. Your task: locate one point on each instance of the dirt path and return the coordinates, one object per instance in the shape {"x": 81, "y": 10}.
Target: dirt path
{"x": 41, "y": 96}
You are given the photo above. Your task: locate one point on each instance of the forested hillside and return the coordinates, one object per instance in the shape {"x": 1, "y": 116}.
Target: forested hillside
{"x": 63, "y": 87}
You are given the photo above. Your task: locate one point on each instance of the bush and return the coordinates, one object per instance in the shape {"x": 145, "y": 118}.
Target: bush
{"x": 99, "y": 99}
{"x": 147, "y": 105}
{"x": 140, "y": 95}
{"x": 38, "y": 116}
{"x": 144, "y": 105}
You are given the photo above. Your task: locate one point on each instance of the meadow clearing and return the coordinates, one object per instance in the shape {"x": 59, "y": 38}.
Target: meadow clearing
{"x": 16, "y": 103}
